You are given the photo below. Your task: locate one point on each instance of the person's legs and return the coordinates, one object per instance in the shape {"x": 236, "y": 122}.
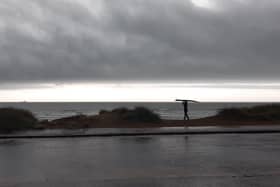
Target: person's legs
{"x": 185, "y": 110}
{"x": 187, "y": 115}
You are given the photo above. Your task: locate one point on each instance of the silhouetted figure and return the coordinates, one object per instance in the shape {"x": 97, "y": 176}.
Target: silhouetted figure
{"x": 186, "y": 110}
{"x": 186, "y": 107}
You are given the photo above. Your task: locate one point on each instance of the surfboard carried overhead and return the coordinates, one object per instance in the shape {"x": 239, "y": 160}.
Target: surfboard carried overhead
{"x": 182, "y": 100}
{"x": 185, "y": 103}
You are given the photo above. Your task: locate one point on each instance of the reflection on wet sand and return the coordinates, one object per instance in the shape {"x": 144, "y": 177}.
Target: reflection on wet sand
{"x": 179, "y": 160}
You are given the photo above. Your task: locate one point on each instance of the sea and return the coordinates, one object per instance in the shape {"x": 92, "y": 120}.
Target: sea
{"x": 170, "y": 110}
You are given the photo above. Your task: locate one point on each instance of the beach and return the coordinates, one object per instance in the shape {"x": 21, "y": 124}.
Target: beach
{"x": 140, "y": 117}
{"x": 181, "y": 160}
{"x": 206, "y": 122}
{"x": 167, "y": 110}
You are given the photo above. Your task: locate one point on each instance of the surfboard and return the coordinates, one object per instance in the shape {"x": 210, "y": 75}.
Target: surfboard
{"x": 193, "y": 101}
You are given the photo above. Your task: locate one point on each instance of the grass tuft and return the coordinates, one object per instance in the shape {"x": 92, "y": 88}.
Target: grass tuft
{"x": 138, "y": 114}
{"x": 141, "y": 114}
{"x": 12, "y": 119}
{"x": 262, "y": 112}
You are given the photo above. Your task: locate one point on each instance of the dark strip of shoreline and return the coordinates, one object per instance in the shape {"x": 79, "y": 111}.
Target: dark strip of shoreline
{"x": 159, "y": 132}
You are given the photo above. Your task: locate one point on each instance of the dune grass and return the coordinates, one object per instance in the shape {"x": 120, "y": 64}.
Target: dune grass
{"x": 138, "y": 114}
{"x": 261, "y": 112}
{"x": 141, "y": 114}
{"x": 12, "y": 119}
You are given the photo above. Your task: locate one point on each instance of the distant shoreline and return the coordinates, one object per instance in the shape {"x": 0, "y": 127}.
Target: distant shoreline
{"x": 171, "y": 110}
{"x": 230, "y": 117}
{"x": 203, "y": 122}
{"x": 12, "y": 119}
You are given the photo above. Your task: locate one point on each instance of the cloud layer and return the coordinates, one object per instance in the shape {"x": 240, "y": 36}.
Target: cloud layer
{"x": 139, "y": 40}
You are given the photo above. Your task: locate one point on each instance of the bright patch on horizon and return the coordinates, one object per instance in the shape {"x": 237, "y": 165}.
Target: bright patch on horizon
{"x": 150, "y": 92}
{"x": 205, "y": 4}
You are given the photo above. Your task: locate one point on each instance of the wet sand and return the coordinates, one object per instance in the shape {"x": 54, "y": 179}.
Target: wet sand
{"x": 110, "y": 123}
{"x": 193, "y": 160}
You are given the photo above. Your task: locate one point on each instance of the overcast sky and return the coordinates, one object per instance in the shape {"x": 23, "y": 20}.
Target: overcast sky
{"x": 178, "y": 41}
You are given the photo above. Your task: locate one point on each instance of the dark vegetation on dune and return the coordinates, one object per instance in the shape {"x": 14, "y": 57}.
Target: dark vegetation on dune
{"x": 138, "y": 114}
{"x": 262, "y": 112}
{"x": 12, "y": 119}
{"x": 118, "y": 117}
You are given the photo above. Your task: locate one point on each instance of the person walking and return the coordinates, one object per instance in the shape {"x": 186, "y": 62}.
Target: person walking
{"x": 186, "y": 110}
{"x": 186, "y": 107}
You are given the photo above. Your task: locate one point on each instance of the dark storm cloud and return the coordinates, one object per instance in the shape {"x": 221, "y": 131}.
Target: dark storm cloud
{"x": 139, "y": 40}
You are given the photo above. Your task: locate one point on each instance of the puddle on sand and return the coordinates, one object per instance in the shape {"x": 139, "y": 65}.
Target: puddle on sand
{"x": 10, "y": 142}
